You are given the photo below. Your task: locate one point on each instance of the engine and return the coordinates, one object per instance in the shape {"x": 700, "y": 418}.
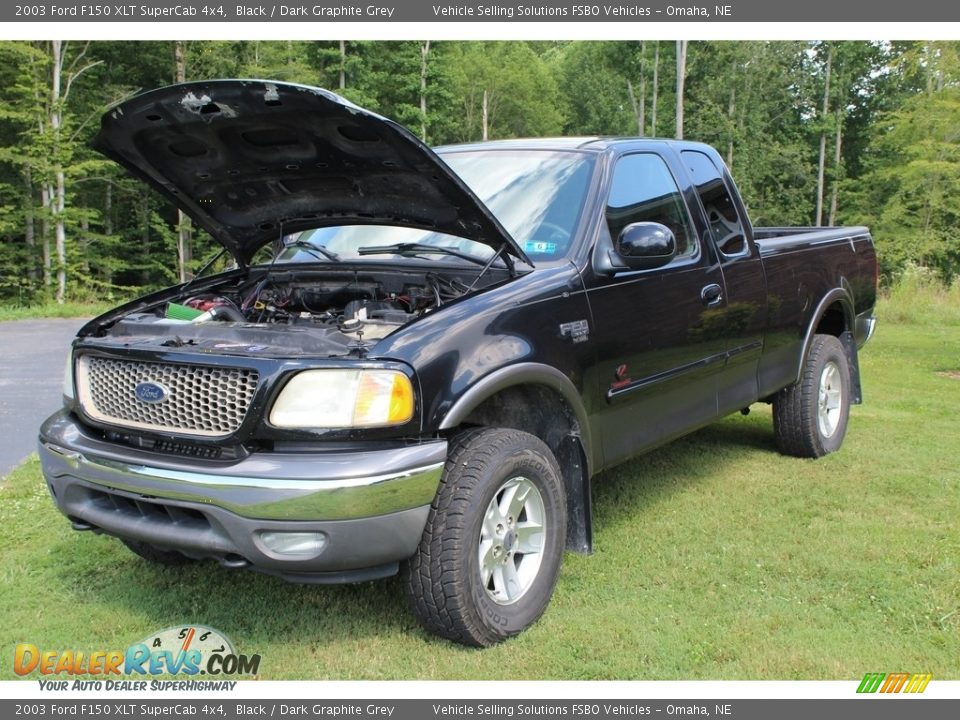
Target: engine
{"x": 331, "y": 315}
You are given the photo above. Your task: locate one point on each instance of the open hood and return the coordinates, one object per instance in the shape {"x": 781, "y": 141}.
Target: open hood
{"x": 251, "y": 160}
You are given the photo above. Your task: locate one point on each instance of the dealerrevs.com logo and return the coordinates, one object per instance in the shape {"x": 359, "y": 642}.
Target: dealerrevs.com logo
{"x": 191, "y": 651}
{"x": 894, "y": 682}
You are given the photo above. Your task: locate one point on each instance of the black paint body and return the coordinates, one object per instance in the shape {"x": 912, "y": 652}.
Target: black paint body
{"x": 633, "y": 358}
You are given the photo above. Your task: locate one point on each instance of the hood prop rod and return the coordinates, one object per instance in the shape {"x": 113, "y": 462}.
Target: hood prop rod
{"x": 506, "y": 259}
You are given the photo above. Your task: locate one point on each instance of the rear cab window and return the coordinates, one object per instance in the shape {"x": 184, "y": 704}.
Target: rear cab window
{"x": 718, "y": 206}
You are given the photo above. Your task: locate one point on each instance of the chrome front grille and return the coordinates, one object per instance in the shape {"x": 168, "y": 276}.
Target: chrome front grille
{"x": 196, "y": 400}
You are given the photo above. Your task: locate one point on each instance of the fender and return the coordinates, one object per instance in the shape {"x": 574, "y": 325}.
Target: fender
{"x": 579, "y": 452}
{"x": 847, "y": 339}
{"x": 527, "y": 373}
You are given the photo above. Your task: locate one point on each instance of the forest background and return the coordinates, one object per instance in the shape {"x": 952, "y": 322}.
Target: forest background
{"x": 816, "y": 133}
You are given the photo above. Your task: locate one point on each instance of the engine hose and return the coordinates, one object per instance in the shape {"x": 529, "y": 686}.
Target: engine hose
{"x": 221, "y": 312}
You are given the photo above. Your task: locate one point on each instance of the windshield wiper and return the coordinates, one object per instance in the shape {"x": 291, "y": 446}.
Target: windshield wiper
{"x": 410, "y": 249}
{"x": 318, "y": 251}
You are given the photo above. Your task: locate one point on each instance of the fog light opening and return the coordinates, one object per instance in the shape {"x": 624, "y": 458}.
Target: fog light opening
{"x": 302, "y": 544}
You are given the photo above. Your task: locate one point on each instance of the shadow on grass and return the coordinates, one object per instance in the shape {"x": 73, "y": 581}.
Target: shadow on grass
{"x": 625, "y": 492}
{"x": 250, "y": 607}
{"x": 241, "y": 604}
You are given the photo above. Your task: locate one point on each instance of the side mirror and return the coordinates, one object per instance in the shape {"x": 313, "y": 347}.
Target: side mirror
{"x": 646, "y": 245}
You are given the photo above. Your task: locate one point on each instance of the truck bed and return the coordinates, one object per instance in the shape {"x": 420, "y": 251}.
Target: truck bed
{"x": 776, "y": 239}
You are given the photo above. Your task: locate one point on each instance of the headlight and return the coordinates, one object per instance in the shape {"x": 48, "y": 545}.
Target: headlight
{"x": 343, "y": 399}
{"x": 68, "y": 377}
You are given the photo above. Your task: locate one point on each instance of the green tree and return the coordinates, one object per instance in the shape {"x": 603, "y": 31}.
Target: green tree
{"x": 594, "y": 77}
{"x": 747, "y": 99}
{"x": 75, "y": 225}
{"x": 506, "y": 90}
{"x": 912, "y": 194}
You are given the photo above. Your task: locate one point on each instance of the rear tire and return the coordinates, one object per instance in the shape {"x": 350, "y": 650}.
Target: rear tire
{"x": 491, "y": 551}
{"x": 170, "y": 558}
{"x": 810, "y": 417}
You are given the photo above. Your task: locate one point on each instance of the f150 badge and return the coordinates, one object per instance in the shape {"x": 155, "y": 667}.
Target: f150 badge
{"x": 578, "y": 330}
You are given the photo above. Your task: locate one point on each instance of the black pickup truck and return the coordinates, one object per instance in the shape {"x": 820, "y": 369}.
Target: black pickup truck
{"x": 418, "y": 359}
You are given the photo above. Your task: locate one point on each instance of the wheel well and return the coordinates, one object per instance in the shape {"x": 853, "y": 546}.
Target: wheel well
{"x": 834, "y": 321}
{"x": 543, "y": 412}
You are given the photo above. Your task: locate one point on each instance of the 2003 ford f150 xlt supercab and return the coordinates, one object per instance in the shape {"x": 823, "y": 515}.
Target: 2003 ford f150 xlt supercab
{"x": 419, "y": 358}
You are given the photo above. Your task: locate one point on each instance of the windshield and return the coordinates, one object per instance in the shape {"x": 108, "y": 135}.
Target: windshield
{"x": 536, "y": 194}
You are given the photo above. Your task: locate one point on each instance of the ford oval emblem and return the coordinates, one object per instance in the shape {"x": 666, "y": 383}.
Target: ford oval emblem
{"x": 150, "y": 392}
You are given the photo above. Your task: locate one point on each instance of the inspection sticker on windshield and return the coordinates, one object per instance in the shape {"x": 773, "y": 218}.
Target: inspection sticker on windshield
{"x": 542, "y": 248}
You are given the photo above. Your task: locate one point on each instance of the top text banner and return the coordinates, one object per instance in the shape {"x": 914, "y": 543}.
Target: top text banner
{"x": 522, "y": 12}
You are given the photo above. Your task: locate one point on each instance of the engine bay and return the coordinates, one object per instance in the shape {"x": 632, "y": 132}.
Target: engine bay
{"x": 326, "y": 313}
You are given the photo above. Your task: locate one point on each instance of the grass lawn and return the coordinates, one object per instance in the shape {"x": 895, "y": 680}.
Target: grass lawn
{"x": 54, "y": 310}
{"x": 716, "y": 558}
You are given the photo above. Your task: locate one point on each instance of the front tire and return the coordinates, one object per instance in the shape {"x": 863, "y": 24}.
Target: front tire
{"x": 491, "y": 551}
{"x": 810, "y": 417}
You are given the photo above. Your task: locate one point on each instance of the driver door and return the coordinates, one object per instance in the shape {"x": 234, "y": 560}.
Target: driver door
{"x": 658, "y": 356}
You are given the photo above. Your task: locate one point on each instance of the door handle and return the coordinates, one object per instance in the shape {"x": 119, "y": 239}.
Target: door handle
{"x": 712, "y": 294}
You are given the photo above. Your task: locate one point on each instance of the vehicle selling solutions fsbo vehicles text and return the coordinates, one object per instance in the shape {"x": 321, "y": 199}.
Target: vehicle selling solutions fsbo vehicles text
{"x": 582, "y": 11}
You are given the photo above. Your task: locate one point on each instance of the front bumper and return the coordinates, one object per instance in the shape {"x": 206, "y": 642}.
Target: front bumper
{"x": 371, "y": 506}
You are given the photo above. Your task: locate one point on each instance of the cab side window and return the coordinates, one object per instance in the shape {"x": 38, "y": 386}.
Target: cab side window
{"x": 717, "y": 203}
{"x": 643, "y": 190}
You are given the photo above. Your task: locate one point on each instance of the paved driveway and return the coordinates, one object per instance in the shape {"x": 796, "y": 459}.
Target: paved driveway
{"x": 32, "y": 357}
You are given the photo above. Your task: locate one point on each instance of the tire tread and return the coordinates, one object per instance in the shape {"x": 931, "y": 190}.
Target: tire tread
{"x": 438, "y": 597}
{"x": 794, "y": 408}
